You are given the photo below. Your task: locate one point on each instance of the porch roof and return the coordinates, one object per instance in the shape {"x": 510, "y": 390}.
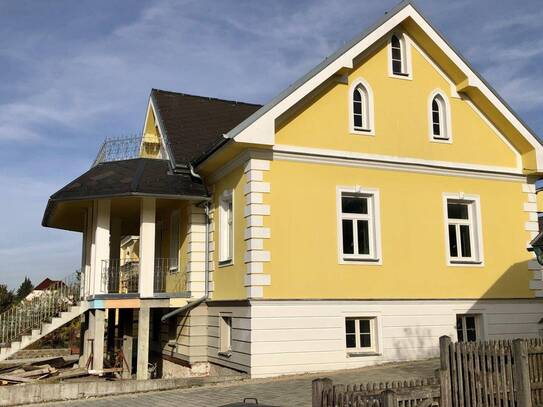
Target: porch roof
{"x": 136, "y": 177}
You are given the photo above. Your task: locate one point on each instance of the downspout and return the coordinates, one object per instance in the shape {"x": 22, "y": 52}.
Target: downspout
{"x": 200, "y": 300}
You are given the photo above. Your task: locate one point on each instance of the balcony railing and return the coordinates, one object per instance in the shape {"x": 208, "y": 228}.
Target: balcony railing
{"x": 127, "y": 148}
{"x": 121, "y": 276}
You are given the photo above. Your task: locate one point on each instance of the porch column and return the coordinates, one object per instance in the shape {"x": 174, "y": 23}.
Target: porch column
{"x": 101, "y": 243}
{"x": 97, "y": 330}
{"x": 143, "y": 343}
{"x": 147, "y": 247}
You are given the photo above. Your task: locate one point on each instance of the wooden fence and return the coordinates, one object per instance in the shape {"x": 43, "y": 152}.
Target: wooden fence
{"x": 471, "y": 374}
{"x": 414, "y": 393}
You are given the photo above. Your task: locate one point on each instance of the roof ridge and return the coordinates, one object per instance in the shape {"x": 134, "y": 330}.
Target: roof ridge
{"x": 237, "y": 102}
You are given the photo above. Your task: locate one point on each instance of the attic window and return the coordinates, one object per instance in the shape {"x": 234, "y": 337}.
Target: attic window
{"x": 399, "y": 65}
{"x": 439, "y": 118}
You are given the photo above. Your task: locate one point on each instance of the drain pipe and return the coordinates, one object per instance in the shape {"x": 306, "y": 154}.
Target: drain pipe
{"x": 193, "y": 304}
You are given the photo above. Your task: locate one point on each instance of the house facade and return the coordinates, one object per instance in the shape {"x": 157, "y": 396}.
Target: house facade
{"x": 383, "y": 200}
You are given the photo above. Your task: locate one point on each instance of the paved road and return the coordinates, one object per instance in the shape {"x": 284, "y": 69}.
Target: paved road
{"x": 286, "y": 391}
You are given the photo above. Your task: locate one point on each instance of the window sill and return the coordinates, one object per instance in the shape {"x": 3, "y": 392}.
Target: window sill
{"x": 362, "y": 354}
{"x": 226, "y": 263}
{"x": 355, "y": 260}
{"x": 404, "y": 76}
{"x": 362, "y": 132}
{"x": 444, "y": 140}
{"x": 227, "y": 354}
{"x": 465, "y": 263}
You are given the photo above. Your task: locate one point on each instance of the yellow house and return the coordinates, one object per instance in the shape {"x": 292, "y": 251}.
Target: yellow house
{"x": 383, "y": 200}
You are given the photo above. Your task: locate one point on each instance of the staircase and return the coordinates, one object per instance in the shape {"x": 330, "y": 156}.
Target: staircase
{"x": 40, "y": 314}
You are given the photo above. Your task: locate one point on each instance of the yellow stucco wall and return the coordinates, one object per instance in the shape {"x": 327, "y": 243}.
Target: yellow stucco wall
{"x": 401, "y": 118}
{"x": 304, "y": 238}
{"x": 229, "y": 280}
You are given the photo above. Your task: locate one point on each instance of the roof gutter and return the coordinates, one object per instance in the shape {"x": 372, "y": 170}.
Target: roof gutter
{"x": 206, "y": 154}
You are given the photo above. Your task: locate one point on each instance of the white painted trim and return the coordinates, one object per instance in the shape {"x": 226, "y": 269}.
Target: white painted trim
{"x": 375, "y": 257}
{"x": 339, "y": 157}
{"x": 405, "y": 42}
{"x": 262, "y": 129}
{"x": 223, "y": 259}
{"x": 446, "y": 118}
{"x": 476, "y": 235}
{"x": 151, "y": 108}
{"x": 370, "y": 131}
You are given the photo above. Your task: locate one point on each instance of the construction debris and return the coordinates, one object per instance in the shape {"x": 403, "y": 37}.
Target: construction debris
{"x": 48, "y": 370}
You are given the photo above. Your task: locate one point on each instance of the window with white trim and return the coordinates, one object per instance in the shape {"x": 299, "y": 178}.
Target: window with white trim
{"x": 398, "y": 56}
{"x": 361, "y": 109}
{"x": 462, "y": 233}
{"x": 225, "y": 333}
{"x": 360, "y": 334}
{"x": 467, "y": 327}
{"x": 174, "y": 240}
{"x": 226, "y": 228}
{"x": 357, "y": 225}
{"x": 439, "y": 119}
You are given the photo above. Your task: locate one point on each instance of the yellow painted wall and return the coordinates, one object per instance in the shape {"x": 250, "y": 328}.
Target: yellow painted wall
{"x": 229, "y": 280}
{"x": 175, "y": 282}
{"x": 401, "y": 118}
{"x": 304, "y": 244}
{"x": 151, "y": 138}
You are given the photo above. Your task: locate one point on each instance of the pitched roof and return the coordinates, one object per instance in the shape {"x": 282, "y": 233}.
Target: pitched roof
{"x": 45, "y": 284}
{"x": 248, "y": 131}
{"x": 140, "y": 176}
{"x": 136, "y": 177}
{"x": 194, "y": 124}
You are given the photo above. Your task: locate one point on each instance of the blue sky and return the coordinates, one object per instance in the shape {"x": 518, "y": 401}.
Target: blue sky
{"x": 75, "y": 72}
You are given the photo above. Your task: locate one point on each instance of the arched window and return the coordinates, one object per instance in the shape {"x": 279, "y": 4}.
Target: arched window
{"x": 397, "y": 49}
{"x": 439, "y": 119}
{"x": 361, "y": 111}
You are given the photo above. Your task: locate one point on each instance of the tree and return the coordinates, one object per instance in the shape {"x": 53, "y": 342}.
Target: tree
{"x": 24, "y": 289}
{"x": 6, "y": 297}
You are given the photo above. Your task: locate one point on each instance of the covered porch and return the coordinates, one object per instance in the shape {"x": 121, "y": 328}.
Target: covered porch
{"x": 143, "y": 230}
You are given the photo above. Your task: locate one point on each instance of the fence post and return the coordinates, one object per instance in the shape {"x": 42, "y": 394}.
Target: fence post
{"x": 318, "y": 387}
{"x": 522, "y": 373}
{"x": 389, "y": 398}
{"x": 444, "y": 371}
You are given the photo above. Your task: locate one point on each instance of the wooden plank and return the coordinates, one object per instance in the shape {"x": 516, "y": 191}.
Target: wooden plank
{"x": 496, "y": 373}
{"x": 477, "y": 373}
{"x": 460, "y": 376}
{"x": 489, "y": 366}
{"x": 503, "y": 376}
{"x": 510, "y": 380}
{"x": 522, "y": 374}
{"x": 15, "y": 379}
{"x": 466, "y": 375}
{"x": 454, "y": 377}
{"x": 484, "y": 379}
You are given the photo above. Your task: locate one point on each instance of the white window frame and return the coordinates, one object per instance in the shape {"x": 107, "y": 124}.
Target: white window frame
{"x": 374, "y": 221}
{"x": 175, "y": 226}
{"x": 476, "y": 231}
{"x": 226, "y": 228}
{"x": 370, "y": 122}
{"x": 375, "y": 330}
{"x": 405, "y": 43}
{"x": 225, "y": 333}
{"x": 445, "y": 118}
{"x": 479, "y": 325}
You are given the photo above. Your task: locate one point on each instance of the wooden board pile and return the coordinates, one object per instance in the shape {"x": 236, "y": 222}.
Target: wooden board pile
{"x": 44, "y": 370}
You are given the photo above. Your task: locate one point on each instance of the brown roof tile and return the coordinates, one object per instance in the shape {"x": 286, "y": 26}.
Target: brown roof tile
{"x": 194, "y": 124}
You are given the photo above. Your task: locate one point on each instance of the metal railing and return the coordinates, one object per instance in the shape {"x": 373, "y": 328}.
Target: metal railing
{"x": 39, "y": 307}
{"x": 119, "y": 148}
{"x": 121, "y": 276}
{"x": 167, "y": 276}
